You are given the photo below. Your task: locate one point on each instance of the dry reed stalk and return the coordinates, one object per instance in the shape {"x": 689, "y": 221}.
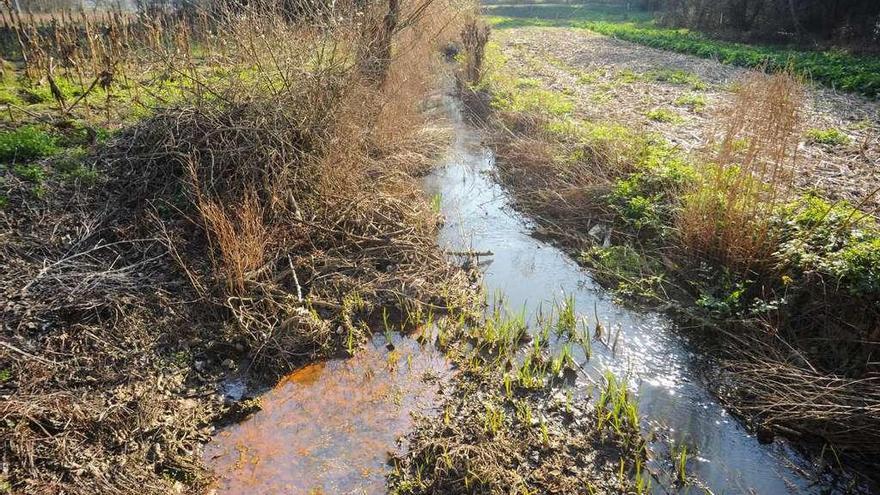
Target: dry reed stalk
{"x": 750, "y": 161}
{"x": 240, "y": 237}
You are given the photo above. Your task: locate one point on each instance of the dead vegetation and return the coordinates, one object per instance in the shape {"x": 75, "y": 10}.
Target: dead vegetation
{"x": 750, "y": 164}
{"x": 513, "y": 421}
{"x": 257, "y": 221}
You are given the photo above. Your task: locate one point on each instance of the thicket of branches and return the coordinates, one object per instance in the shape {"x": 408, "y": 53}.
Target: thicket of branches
{"x": 854, "y": 21}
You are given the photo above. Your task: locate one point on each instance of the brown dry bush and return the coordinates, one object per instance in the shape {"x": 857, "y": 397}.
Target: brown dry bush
{"x": 265, "y": 214}
{"x": 748, "y": 173}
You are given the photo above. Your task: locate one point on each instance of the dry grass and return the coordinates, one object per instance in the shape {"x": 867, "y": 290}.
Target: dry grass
{"x": 749, "y": 172}
{"x": 240, "y": 236}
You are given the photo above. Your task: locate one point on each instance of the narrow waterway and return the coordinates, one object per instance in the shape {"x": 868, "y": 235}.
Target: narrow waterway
{"x": 328, "y": 427}
{"x": 532, "y": 274}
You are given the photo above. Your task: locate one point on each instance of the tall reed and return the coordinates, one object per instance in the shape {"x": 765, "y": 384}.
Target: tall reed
{"x": 749, "y": 168}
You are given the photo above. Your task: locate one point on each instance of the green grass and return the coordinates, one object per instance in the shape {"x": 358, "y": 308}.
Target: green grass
{"x": 828, "y": 137}
{"x": 837, "y": 69}
{"x": 663, "y": 115}
{"x": 696, "y": 103}
{"x": 26, "y": 143}
{"x": 516, "y": 16}
{"x": 676, "y": 76}
{"x": 520, "y": 94}
{"x": 30, "y": 172}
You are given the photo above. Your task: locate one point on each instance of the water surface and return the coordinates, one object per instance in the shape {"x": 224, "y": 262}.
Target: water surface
{"x": 328, "y": 427}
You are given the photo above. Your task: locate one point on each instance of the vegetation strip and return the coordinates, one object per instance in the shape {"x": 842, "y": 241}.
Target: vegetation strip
{"x": 836, "y": 69}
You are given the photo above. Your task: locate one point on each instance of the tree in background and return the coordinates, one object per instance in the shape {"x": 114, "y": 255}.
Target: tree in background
{"x": 850, "y": 21}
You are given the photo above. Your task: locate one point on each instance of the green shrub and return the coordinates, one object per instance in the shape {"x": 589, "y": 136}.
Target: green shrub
{"x": 834, "y": 240}
{"x": 725, "y": 300}
{"x": 647, "y": 199}
{"x": 26, "y": 143}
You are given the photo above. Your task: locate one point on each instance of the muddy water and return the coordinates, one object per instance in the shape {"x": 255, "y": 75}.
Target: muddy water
{"x": 327, "y": 428}
{"x": 532, "y": 274}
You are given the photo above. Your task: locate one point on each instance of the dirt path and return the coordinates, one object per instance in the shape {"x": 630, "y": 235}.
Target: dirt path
{"x": 615, "y": 80}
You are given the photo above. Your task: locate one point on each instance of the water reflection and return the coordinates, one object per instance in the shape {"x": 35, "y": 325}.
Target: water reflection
{"x": 327, "y": 427}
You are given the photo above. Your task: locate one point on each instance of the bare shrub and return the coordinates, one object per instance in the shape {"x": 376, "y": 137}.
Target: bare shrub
{"x": 474, "y": 36}
{"x": 239, "y": 236}
{"x": 748, "y": 172}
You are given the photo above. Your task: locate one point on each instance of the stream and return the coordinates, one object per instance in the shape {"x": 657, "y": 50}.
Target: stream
{"x": 328, "y": 427}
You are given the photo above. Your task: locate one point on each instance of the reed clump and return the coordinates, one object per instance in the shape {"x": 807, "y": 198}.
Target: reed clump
{"x": 747, "y": 174}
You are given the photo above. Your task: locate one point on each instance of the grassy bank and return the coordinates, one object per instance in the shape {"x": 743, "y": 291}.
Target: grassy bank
{"x": 836, "y": 69}
{"x": 233, "y": 191}
{"x": 510, "y": 422}
{"x": 779, "y": 282}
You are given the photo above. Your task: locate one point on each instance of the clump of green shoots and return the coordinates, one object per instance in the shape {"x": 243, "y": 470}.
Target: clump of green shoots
{"x": 828, "y": 137}
{"x": 493, "y": 419}
{"x": 501, "y": 332}
{"x": 567, "y": 320}
{"x": 680, "y": 458}
{"x": 564, "y": 360}
{"x": 388, "y": 329}
{"x": 664, "y": 115}
{"x": 694, "y": 102}
{"x": 618, "y": 409}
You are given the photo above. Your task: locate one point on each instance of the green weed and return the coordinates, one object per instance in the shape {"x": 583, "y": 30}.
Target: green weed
{"x": 493, "y": 419}
{"x": 832, "y": 239}
{"x": 680, "y": 455}
{"x": 697, "y": 103}
{"x": 436, "y": 202}
{"x": 828, "y": 137}
{"x": 30, "y": 172}
{"x": 626, "y": 76}
{"x": 677, "y": 76}
{"x": 26, "y": 143}
{"x": 664, "y": 115}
